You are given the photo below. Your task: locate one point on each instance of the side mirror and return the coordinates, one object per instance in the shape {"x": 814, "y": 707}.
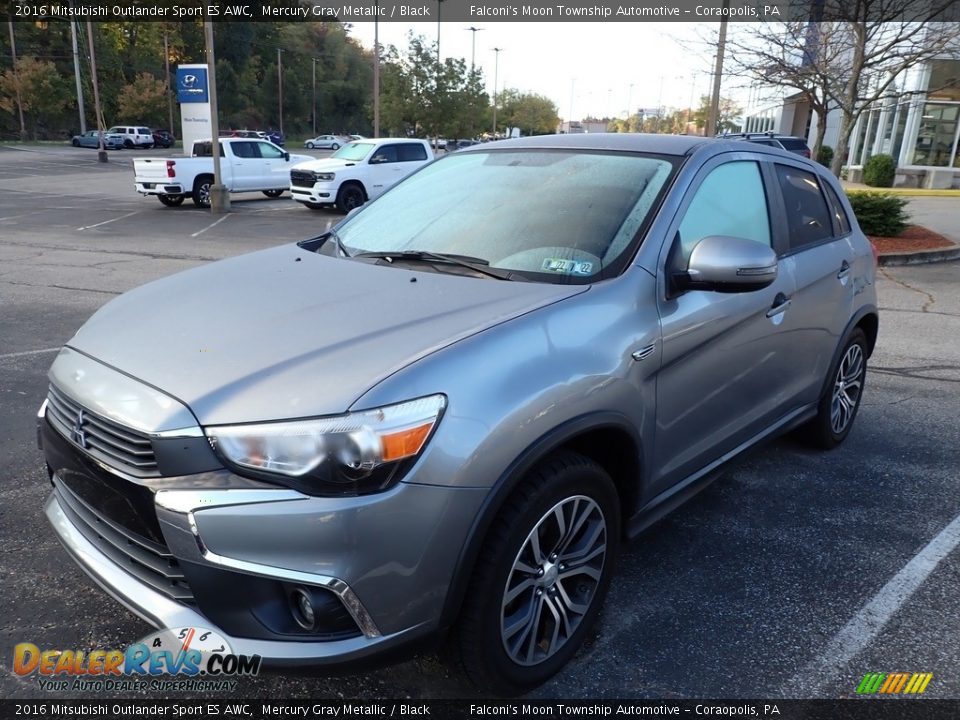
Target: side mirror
{"x": 728, "y": 264}
{"x": 286, "y": 156}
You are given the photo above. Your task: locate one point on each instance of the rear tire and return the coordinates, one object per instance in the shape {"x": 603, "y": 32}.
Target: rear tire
{"x": 349, "y": 197}
{"x": 841, "y": 400}
{"x": 171, "y": 200}
{"x": 201, "y": 191}
{"x": 128, "y": 143}
{"x": 309, "y": 146}
{"x": 335, "y": 146}
{"x": 541, "y": 576}
{"x": 273, "y": 193}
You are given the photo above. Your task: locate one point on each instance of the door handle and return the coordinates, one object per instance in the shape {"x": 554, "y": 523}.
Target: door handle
{"x": 844, "y": 270}
{"x": 780, "y": 303}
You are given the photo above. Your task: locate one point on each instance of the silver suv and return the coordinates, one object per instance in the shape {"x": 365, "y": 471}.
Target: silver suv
{"x": 445, "y": 416}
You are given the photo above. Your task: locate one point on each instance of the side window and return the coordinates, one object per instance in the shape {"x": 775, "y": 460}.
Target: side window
{"x": 384, "y": 154}
{"x": 244, "y": 149}
{"x": 730, "y": 201}
{"x": 836, "y": 208}
{"x": 808, "y": 219}
{"x": 269, "y": 152}
{"x": 412, "y": 151}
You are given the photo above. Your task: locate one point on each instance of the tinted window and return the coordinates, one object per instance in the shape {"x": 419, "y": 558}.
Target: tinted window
{"x": 244, "y": 149}
{"x": 203, "y": 149}
{"x": 808, "y": 219}
{"x": 793, "y": 143}
{"x": 412, "y": 151}
{"x": 730, "y": 201}
{"x": 843, "y": 223}
{"x": 385, "y": 154}
{"x": 143, "y": 131}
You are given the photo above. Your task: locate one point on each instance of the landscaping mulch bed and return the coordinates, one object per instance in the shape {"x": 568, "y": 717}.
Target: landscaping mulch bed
{"x": 913, "y": 238}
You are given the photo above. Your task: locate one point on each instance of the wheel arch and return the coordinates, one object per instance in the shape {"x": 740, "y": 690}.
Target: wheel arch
{"x": 866, "y": 319}
{"x": 609, "y": 439}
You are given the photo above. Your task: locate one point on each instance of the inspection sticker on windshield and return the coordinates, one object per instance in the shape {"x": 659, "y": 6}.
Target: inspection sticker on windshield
{"x": 570, "y": 267}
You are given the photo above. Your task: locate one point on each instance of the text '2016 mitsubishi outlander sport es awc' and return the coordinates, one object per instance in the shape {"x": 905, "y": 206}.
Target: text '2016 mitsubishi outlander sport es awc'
{"x": 443, "y": 417}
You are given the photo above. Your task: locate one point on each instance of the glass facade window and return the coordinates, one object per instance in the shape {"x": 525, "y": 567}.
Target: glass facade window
{"x": 944, "y": 81}
{"x": 937, "y": 135}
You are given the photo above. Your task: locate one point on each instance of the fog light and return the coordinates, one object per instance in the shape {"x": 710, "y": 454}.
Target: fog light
{"x": 303, "y": 611}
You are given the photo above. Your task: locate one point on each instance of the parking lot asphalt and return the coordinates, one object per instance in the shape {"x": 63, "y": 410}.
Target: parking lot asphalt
{"x": 793, "y": 575}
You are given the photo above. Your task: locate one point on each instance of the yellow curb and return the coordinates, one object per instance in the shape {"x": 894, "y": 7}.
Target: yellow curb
{"x": 909, "y": 192}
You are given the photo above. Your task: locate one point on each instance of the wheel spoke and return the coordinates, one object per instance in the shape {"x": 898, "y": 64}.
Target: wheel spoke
{"x": 578, "y": 523}
{"x": 522, "y": 587}
{"x": 570, "y": 604}
{"x": 589, "y": 543}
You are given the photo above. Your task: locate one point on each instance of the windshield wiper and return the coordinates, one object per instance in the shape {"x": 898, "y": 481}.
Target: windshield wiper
{"x": 472, "y": 263}
{"x": 331, "y": 233}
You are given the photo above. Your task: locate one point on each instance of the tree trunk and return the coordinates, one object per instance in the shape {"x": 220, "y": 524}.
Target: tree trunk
{"x": 821, "y": 132}
{"x": 843, "y": 143}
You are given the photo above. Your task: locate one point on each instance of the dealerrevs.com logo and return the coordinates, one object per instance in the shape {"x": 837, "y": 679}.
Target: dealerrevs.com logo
{"x": 191, "y": 658}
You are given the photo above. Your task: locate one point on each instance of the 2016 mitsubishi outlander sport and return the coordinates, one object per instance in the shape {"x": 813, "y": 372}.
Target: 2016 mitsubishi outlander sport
{"x": 444, "y": 416}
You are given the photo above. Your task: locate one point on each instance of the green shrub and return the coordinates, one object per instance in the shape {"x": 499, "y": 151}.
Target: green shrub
{"x": 825, "y": 155}
{"x": 879, "y": 213}
{"x": 879, "y": 171}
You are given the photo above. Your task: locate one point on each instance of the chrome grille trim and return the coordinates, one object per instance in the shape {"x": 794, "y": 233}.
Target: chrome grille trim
{"x": 150, "y": 562}
{"x": 303, "y": 178}
{"x": 123, "y": 448}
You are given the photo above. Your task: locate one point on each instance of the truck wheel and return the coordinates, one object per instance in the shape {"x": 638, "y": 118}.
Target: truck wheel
{"x": 171, "y": 200}
{"x": 350, "y": 196}
{"x": 273, "y": 193}
{"x": 128, "y": 143}
{"x": 201, "y": 191}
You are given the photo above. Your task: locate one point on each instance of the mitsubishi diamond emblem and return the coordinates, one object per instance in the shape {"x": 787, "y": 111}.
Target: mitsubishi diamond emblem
{"x": 77, "y": 434}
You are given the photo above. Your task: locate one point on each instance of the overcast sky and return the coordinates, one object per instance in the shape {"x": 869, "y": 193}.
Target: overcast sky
{"x": 585, "y": 68}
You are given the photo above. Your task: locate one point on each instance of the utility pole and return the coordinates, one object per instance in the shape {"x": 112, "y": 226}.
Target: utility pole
{"x": 573, "y": 82}
{"x": 16, "y": 80}
{"x": 280, "y": 87}
{"x": 313, "y": 108}
{"x": 219, "y": 196}
{"x": 629, "y": 100}
{"x": 438, "y": 32}
{"x": 473, "y": 46}
{"x": 101, "y": 152}
{"x": 166, "y": 60}
{"x": 496, "y": 67}
{"x": 76, "y": 75}
{"x": 714, "y": 113}
{"x": 376, "y": 73}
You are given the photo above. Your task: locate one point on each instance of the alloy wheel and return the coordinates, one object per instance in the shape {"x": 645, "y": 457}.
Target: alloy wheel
{"x": 846, "y": 388}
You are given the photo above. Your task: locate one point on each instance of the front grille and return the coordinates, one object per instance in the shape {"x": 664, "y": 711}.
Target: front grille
{"x": 113, "y": 444}
{"x": 303, "y": 178}
{"x": 149, "y": 561}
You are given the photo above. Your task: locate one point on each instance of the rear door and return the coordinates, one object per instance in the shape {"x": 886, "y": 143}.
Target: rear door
{"x": 820, "y": 256}
{"x": 725, "y": 374}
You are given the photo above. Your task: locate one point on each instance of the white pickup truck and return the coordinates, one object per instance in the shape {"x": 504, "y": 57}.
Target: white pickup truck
{"x": 246, "y": 164}
{"x": 357, "y": 172}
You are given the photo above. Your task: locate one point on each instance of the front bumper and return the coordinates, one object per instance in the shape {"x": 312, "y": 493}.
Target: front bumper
{"x": 321, "y": 192}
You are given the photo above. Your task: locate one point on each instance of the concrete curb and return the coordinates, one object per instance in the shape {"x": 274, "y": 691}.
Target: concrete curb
{"x": 918, "y": 257}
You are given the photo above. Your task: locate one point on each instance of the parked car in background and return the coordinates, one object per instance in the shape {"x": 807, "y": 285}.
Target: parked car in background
{"x": 789, "y": 143}
{"x": 442, "y": 417}
{"x": 357, "y": 172}
{"x": 134, "y": 136}
{"x": 91, "y": 139}
{"x": 163, "y": 139}
{"x": 329, "y": 142}
{"x": 247, "y": 165}
{"x": 357, "y": 137}
{"x": 453, "y": 145}
{"x": 276, "y": 137}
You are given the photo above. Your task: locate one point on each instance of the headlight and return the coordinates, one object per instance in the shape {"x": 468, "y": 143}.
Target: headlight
{"x": 325, "y": 177}
{"x": 349, "y": 454}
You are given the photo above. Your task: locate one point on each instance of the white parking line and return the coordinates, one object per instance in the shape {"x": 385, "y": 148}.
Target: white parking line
{"x": 872, "y": 617}
{"x": 213, "y": 224}
{"x": 107, "y": 222}
{"x": 25, "y": 353}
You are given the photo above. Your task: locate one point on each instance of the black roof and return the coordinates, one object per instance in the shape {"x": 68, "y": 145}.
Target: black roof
{"x": 623, "y": 142}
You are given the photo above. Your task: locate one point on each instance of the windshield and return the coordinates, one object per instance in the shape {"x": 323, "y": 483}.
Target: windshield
{"x": 562, "y": 216}
{"x": 353, "y": 151}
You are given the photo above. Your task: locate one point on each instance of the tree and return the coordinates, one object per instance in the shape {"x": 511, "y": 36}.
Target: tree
{"x": 43, "y": 93}
{"x": 144, "y": 99}
{"x": 533, "y": 114}
{"x": 727, "y": 114}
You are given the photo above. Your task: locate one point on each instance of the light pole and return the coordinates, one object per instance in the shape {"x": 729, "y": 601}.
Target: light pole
{"x": 473, "y": 46}
{"x": 166, "y": 61}
{"x": 76, "y": 76}
{"x": 280, "y": 87}
{"x": 101, "y": 152}
{"x": 713, "y": 115}
{"x": 219, "y": 195}
{"x": 438, "y": 31}
{"x": 313, "y": 108}
{"x": 13, "y": 56}
{"x": 496, "y": 66}
{"x": 573, "y": 81}
{"x": 376, "y": 73}
{"x": 629, "y": 100}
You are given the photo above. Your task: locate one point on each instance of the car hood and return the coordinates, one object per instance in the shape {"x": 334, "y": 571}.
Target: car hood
{"x": 286, "y": 333}
{"x": 328, "y": 164}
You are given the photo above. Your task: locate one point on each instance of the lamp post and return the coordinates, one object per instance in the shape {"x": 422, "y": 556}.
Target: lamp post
{"x": 473, "y": 46}
{"x": 376, "y": 73}
{"x": 76, "y": 76}
{"x": 280, "y": 87}
{"x": 101, "y": 152}
{"x": 313, "y": 108}
{"x": 496, "y": 66}
{"x": 438, "y": 31}
{"x": 219, "y": 195}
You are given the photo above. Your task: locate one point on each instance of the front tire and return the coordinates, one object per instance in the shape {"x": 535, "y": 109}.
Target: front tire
{"x": 840, "y": 402}
{"x": 76, "y": 143}
{"x": 335, "y": 146}
{"x": 273, "y": 193}
{"x": 171, "y": 200}
{"x": 201, "y": 191}
{"x": 541, "y": 576}
{"x": 309, "y": 146}
{"x": 349, "y": 197}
